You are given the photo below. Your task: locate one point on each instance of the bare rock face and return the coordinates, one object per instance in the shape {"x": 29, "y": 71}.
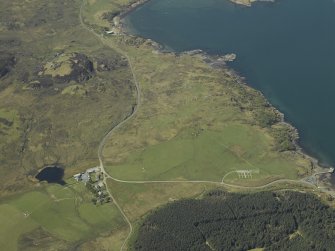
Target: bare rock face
{"x": 82, "y": 68}
{"x": 7, "y": 62}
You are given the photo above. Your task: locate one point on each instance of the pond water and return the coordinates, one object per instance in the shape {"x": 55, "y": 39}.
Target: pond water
{"x": 284, "y": 49}
{"x": 51, "y": 174}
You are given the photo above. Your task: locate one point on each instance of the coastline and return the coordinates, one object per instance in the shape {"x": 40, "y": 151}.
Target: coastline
{"x": 120, "y": 27}
{"x": 117, "y": 20}
{"x": 138, "y": 3}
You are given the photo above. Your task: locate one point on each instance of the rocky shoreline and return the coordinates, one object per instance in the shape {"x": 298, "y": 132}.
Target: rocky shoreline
{"x": 220, "y": 61}
{"x": 249, "y": 3}
{"x": 119, "y": 25}
{"x": 117, "y": 20}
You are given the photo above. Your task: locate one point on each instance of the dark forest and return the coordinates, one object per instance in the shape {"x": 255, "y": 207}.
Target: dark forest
{"x": 224, "y": 221}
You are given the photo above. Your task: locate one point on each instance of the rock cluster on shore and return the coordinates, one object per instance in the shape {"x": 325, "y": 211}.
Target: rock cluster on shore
{"x": 249, "y": 2}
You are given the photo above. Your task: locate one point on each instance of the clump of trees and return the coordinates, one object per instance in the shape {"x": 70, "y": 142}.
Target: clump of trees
{"x": 248, "y": 99}
{"x": 285, "y": 136}
{"x": 222, "y": 221}
{"x": 264, "y": 115}
{"x": 100, "y": 195}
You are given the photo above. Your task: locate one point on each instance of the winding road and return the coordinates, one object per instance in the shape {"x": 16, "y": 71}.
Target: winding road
{"x": 129, "y": 117}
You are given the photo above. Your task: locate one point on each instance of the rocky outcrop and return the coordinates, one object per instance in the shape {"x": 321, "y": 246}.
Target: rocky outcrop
{"x": 82, "y": 68}
{"x": 249, "y": 2}
{"x": 71, "y": 67}
{"x": 63, "y": 69}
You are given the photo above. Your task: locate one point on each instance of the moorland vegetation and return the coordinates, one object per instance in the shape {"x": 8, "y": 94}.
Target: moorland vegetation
{"x": 61, "y": 90}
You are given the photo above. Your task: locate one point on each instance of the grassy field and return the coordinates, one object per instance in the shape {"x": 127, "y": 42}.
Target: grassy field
{"x": 13, "y": 224}
{"x": 196, "y": 123}
{"x": 64, "y": 213}
{"x": 207, "y": 156}
{"x": 138, "y": 199}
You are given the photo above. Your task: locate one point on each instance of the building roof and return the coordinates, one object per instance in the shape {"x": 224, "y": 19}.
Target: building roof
{"x": 85, "y": 177}
{"x": 93, "y": 170}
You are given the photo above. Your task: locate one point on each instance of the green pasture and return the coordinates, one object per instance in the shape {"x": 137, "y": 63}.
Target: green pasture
{"x": 206, "y": 155}
{"x": 13, "y": 224}
{"x": 61, "y": 211}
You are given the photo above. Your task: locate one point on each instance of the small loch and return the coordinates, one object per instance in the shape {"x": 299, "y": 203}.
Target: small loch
{"x": 51, "y": 174}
